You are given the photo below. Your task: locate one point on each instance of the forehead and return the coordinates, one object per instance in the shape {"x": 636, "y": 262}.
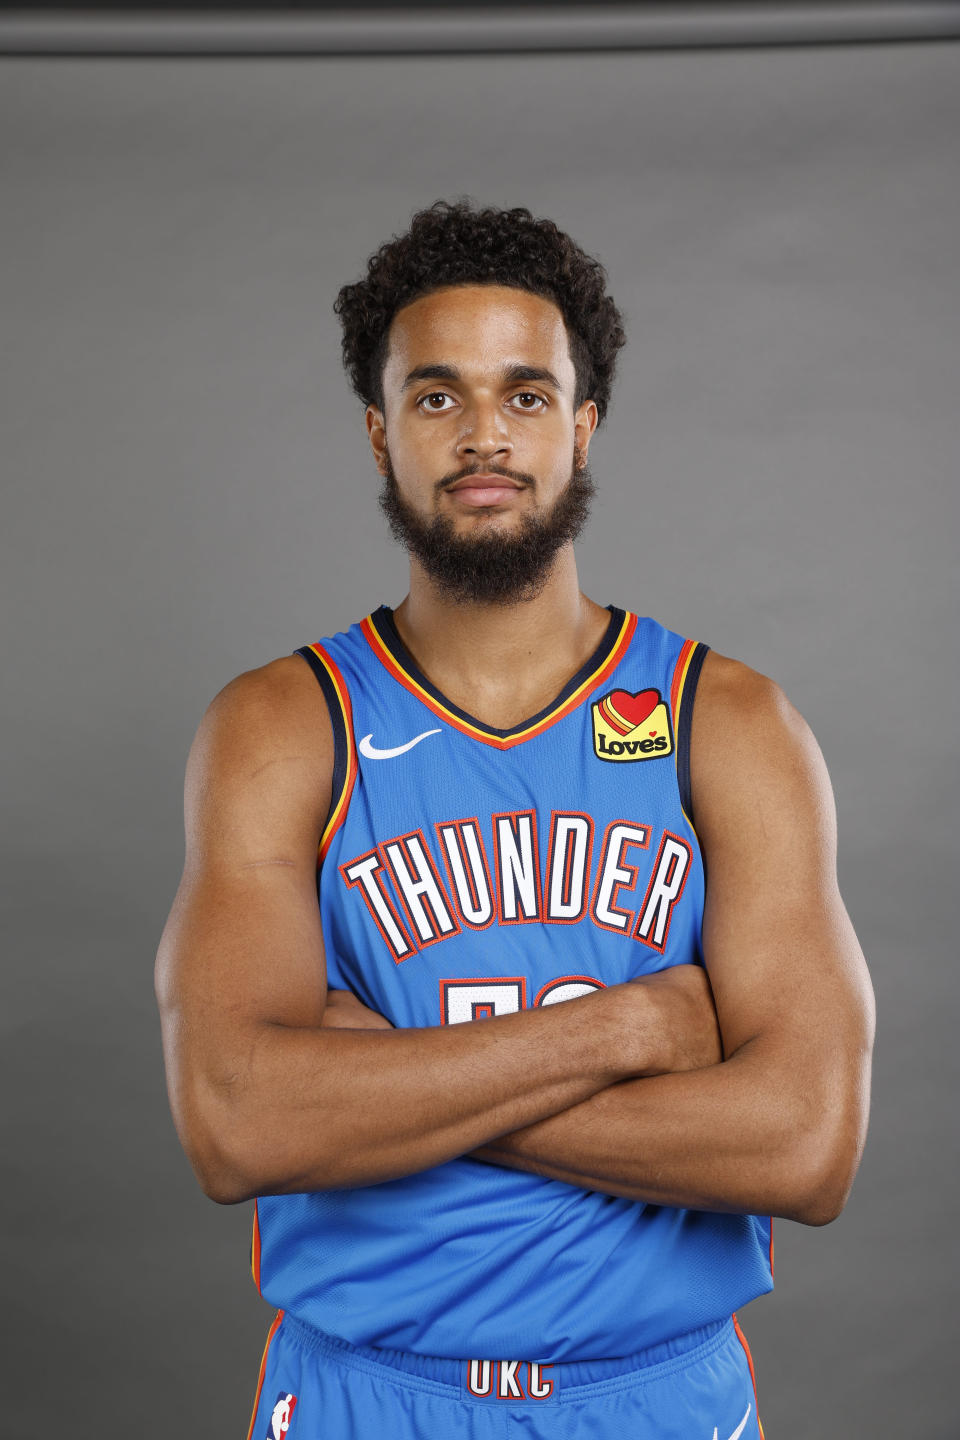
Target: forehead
{"x": 479, "y": 329}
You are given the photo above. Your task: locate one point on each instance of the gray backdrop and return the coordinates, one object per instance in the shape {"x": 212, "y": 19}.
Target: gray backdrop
{"x": 189, "y": 495}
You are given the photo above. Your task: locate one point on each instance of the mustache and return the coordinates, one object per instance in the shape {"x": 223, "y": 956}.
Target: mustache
{"x": 519, "y": 476}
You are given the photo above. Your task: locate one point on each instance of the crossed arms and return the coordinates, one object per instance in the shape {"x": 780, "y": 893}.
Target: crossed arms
{"x": 747, "y": 1093}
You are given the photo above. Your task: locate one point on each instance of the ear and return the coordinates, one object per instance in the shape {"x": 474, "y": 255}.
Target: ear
{"x": 585, "y": 421}
{"x": 378, "y": 436}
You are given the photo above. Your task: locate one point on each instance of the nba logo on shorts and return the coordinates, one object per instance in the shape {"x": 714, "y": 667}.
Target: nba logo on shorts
{"x": 282, "y": 1415}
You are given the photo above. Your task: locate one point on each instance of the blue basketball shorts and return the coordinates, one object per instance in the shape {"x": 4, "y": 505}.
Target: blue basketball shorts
{"x": 314, "y": 1387}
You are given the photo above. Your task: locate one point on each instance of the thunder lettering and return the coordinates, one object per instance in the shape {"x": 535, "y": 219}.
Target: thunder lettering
{"x": 419, "y": 891}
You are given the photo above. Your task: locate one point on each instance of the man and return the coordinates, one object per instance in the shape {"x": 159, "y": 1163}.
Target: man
{"x": 541, "y": 1223}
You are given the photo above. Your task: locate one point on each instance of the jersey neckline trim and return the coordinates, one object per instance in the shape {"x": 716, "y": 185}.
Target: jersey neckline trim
{"x": 380, "y": 631}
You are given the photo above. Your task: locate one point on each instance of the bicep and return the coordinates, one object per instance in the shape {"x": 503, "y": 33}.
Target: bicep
{"x": 243, "y": 946}
{"x": 784, "y": 962}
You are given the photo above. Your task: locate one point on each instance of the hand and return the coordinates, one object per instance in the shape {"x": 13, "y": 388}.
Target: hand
{"x": 683, "y": 1027}
{"x": 345, "y": 1012}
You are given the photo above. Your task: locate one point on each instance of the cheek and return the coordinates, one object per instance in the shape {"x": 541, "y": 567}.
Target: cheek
{"x": 415, "y": 437}
{"x": 556, "y": 450}
{"x": 548, "y": 443}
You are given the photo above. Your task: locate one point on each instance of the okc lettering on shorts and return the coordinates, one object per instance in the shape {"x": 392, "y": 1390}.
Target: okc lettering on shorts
{"x": 515, "y": 1381}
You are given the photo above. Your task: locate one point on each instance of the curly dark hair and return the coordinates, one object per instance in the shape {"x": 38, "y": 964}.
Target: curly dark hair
{"x": 458, "y": 244}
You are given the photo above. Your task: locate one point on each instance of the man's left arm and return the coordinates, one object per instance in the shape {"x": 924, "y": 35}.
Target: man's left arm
{"x": 778, "y": 1126}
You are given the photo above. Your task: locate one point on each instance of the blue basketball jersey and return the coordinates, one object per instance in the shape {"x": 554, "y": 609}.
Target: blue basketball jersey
{"x": 466, "y": 872}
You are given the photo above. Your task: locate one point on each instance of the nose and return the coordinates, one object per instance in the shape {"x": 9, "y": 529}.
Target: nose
{"x": 485, "y": 434}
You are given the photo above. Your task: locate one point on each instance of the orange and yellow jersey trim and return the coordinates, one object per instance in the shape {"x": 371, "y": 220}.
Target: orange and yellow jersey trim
{"x": 345, "y": 763}
{"x": 753, "y": 1376}
{"x": 277, "y": 1321}
{"x": 255, "y": 1247}
{"x": 686, "y": 674}
{"x": 379, "y": 642}
{"x": 680, "y": 676}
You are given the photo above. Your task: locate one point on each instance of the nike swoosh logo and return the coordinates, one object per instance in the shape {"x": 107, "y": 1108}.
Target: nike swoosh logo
{"x": 372, "y": 753}
{"x": 740, "y": 1428}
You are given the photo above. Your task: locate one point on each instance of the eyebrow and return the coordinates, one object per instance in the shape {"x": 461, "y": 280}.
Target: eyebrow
{"x": 512, "y": 374}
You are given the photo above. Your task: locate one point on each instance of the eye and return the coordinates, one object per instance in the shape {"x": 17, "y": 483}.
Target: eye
{"x": 528, "y": 400}
{"x": 434, "y": 402}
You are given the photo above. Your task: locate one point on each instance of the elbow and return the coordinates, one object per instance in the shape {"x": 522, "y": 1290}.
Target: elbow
{"x": 205, "y": 1115}
{"x": 823, "y": 1131}
{"x": 216, "y": 1140}
{"x": 230, "y": 1178}
{"x": 220, "y": 1181}
{"x": 230, "y": 1132}
{"x": 219, "y": 1167}
{"x": 224, "y": 1141}
{"x": 220, "y": 1127}
{"x": 819, "y": 1176}
{"x": 818, "y": 1206}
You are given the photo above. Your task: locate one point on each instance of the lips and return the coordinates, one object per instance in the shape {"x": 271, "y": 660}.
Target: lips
{"x": 484, "y": 489}
{"x": 485, "y": 481}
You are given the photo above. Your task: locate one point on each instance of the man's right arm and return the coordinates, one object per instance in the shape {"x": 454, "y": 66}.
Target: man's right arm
{"x": 267, "y": 1101}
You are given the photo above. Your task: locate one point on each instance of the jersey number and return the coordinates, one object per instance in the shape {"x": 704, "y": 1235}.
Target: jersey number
{"x": 478, "y": 999}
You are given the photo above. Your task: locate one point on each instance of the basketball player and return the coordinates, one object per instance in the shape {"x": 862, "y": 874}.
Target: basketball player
{"x": 519, "y": 1098}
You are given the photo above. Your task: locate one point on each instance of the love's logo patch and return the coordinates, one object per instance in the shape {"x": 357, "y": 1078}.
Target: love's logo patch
{"x": 631, "y": 726}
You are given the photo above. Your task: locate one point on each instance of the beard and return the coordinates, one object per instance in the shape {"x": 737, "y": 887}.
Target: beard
{"x": 488, "y": 567}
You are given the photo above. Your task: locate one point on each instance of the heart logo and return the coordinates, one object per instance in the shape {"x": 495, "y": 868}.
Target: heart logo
{"x": 634, "y": 709}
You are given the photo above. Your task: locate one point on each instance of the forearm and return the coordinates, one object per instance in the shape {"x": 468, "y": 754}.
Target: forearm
{"x": 755, "y": 1134}
{"x": 312, "y": 1108}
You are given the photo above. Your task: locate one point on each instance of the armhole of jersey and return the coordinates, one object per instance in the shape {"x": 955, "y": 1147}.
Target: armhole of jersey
{"x": 684, "y": 688}
{"x": 344, "y": 756}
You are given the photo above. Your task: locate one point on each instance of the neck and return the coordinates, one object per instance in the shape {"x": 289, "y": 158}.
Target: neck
{"x": 502, "y": 662}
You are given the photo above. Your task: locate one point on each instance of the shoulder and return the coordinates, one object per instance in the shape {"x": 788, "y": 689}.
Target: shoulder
{"x": 268, "y": 729}
{"x": 739, "y": 707}
{"x": 750, "y": 747}
{"x": 269, "y": 705}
